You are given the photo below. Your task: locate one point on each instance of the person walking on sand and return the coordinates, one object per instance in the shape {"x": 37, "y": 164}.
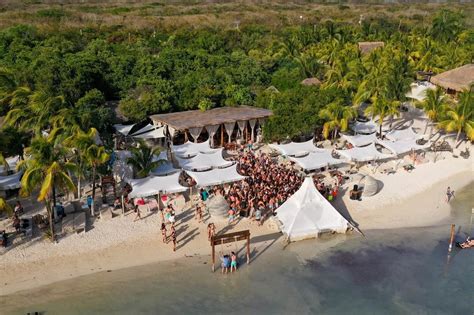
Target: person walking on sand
{"x": 163, "y": 233}
{"x": 173, "y": 238}
{"x": 233, "y": 263}
{"x": 449, "y": 194}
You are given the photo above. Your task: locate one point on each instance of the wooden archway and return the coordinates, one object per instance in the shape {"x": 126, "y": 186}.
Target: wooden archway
{"x": 228, "y": 238}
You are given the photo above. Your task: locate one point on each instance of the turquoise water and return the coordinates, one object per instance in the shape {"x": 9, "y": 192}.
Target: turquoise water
{"x": 403, "y": 271}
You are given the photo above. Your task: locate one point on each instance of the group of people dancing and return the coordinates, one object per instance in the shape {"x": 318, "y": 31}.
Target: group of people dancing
{"x": 267, "y": 185}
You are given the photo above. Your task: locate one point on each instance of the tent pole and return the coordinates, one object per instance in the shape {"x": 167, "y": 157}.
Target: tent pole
{"x": 248, "y": 249}
{"x": 213, "y": 255}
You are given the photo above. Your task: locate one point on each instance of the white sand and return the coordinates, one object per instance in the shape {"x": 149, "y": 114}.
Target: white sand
{"x": 406, "y": 200}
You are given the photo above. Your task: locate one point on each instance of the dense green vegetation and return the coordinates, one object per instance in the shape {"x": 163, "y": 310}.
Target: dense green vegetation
{"x": 67, "y": 82}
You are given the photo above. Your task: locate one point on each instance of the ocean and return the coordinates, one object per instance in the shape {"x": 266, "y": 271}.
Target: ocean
{"x": 400, "y": 271}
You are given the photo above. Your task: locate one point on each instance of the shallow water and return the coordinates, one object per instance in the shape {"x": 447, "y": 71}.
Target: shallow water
{"x": 404, "y": 271}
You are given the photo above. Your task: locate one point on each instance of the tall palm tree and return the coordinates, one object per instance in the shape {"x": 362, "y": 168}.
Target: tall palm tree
{"x": 379, "y": 108}
{"x": 337, "y": 117}
{"x": 143, "y": 160}
{"x": 47, "y": 169}
{"x": 461, "y": 117}
{"x": 434, "y": 104}
{"x": 95, "y": 156}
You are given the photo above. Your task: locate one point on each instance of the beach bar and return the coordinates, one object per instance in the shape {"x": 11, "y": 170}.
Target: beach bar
{"x": 224, "y": 124}
{"x": 455, "y": 80}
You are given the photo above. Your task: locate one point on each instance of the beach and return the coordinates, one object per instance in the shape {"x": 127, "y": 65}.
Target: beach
{"x": 407, "y": 199}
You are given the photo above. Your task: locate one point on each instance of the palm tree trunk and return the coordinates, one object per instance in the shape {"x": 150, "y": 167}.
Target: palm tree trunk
{"x": 93, "y": 190}
{"x": 380, "y": 132}
{"x": 334, "y": 135}
{"x": 79, "y": 186}
{"x": 50, "y": 219}
{"x": 458, "y": 135}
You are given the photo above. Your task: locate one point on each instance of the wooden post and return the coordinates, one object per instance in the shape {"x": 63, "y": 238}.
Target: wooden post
{"x": 222, "y": 135}
{"x": 248, "y": 249}
{"x": 123, "y": 206}
{"x": 451, "y": 239}
{"x": 213, "y": 255}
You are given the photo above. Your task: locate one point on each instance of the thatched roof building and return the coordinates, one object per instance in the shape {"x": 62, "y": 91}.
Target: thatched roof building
{"x": 311, "y": 81}
{"x": 367, "y": 47}
{"x": 457, "y": 79}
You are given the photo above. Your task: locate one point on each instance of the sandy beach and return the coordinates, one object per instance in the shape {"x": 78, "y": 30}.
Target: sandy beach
{"x": 405, "y": 200}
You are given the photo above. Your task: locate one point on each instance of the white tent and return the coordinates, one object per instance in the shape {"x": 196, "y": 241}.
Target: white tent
{"x": 165, "y": 169}
{"x": 363, "y": 154}
{"x": 402, "y": 146}
{"x": 202, "y": 162}
{"x": 295, "y": 148}
{"x": 315, "y": 160}
{"x": 307, "y": 213}
{"x": 360, "y": 140}
{"x": 365, "y": 127}
{"x": 419, "y": 89}
{"x": 162, "y": 156}
{"x": 123, "y": 129}
{"x": 12, "y": 162}
{"x": 193, "y": 148}
{"x": 153, "y": 185}
{"x": 147, "y": 128}
{"x": 216, "y": 176}
{"x": 151, "y": 134}
{"x": 404, "y": 134}
{"x": 10, "y": 181}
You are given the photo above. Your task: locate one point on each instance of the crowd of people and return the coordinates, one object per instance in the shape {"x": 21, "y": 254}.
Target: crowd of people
{"x": 267, "y": 185}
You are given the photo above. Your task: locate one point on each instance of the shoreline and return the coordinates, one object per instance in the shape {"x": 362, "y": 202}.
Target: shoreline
{"x": 140, "y": 243}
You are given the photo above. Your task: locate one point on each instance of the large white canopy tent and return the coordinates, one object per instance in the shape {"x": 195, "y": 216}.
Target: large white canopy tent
{"x": 419, "y": 89}
{"x": 402, "y": 146}
{"x": 165, "y": 168}
{"x": 12, "y": 162}
{"x": 360, "y": 140}
{"x": 153, "y": 185}
{"x": 216, "y": 176}
{"x": 363, "y": 154}
{"x": 295, "y": 148}
{"x": 150, "y": 134}
{"x": 10, "y": 181}
{"x": 364, "y": 127}
{"x": 123, "y": 129}
{"x": 307, "y": 213}
{"x": 404, "y": 134}
{"x": 192, "y": 148}
{"x": 203, "y": 162}
{"x": 315, "y": 160}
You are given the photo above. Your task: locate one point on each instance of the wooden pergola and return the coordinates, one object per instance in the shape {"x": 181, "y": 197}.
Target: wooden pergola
{"x": 228, "y": 238}
{"x": 213, "y": 119}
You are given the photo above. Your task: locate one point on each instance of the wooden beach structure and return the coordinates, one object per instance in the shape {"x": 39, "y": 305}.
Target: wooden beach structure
{"x": 223, "y": 122}
{"x": 217, "y": 240}
{"x": 368, "y": 47}
{"x": 455, "y": 80}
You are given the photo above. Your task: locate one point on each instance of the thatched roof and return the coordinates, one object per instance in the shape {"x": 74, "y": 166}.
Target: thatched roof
{"x": 457, "y": 79}
{"x": 217, "y": 116}
{"x": 367, "y": 47}
{"x": 311, "y": 81}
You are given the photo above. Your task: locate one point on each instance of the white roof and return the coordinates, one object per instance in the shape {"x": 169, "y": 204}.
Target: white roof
{"x": 315, "y": 160}
{"x": 402, "y": 146}
{"x": 295, "y": 148}
{"x": 165, "y": 169}
{"x": 216, "y": 176}
{"x": 123, "y": 129}
{"x": 192, "y": 148}
{"x": 202, "y": 162}
{"x": 10, "y": 181}
{"x": 404, "y": 134}
{"x": 150, "y": 134}
{"x": 12, "y": 162}
{"x": 363, "y": 154}
{"x": 152, "y": 185}
{"x": 307, "y": 213}
{"x": 418, "y": 90}
{"x": 360, "y": 140}
{"x": 365, "y": 127}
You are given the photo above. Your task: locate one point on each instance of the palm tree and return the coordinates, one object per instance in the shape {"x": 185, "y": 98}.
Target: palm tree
{"x": 434, "y": 104}
{"x": 378, "y": 108}
{"x": 47, "y": 169}
{"x": 95, "y": 156}
{"x": 5, "y": 207}
{"x": 143, "y": 160}
{"x": 337, "y": 117}
{"x": 461, "y": 117}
